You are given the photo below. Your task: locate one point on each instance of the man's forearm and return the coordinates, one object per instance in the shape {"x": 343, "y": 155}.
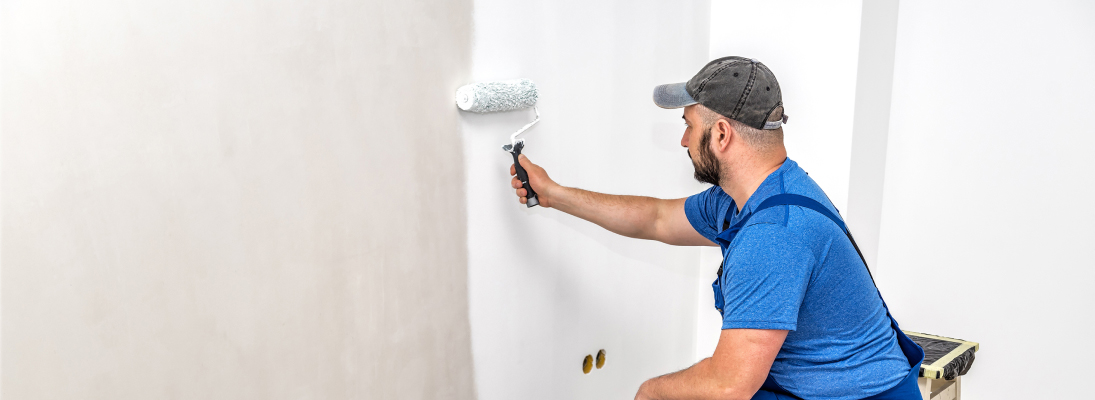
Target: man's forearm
{"x": 741, "y": 362}
{"x": 631, "y": 216}
{"x": 699, "y": 381}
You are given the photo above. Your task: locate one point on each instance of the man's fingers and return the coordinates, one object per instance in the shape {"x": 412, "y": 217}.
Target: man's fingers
{"x": 524, "y": 161}
{"x": 522, "y": 193}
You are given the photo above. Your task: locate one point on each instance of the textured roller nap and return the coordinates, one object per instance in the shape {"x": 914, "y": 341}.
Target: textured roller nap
{"x": 944, "y": 358}
{"x": 496, "y": 96}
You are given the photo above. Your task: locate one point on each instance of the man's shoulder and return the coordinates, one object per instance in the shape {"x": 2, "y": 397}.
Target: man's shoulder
{"x": 703, "y": 210}
{"x": 797, "y": 181}
{"x": 767, "y": 244}
{"x": 708, "y": 203}
{"x": 713, "y": 193}
{"x": 795, "y": 224}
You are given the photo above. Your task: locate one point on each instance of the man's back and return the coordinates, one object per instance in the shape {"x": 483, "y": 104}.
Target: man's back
{"x": 793, "y": 269}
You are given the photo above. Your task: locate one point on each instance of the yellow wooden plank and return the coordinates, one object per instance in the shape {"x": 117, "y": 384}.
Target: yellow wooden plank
{"x": 976, "y": 346}
{"x": 943, "y": 361}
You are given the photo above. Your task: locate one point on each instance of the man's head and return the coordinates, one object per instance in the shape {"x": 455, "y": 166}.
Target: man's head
{"x": 734, "y": 112}
{"x": 710, "y": 137}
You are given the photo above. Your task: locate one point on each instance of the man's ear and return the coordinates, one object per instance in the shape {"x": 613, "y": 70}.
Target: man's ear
{"x": 723, "y": 132}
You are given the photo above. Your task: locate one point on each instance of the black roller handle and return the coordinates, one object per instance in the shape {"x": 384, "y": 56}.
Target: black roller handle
{"x": 523, "y": 176}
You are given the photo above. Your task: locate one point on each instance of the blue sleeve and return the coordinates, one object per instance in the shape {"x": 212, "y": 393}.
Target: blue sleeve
{"x": 702, "y": 210}
{"x": 765, "y": 278}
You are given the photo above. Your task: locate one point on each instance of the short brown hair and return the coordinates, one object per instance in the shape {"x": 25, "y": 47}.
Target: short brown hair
{"x": 760, "y": 139}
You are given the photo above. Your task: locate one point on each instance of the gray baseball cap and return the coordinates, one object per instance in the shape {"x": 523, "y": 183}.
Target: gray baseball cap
{"x": 739, "y": 88}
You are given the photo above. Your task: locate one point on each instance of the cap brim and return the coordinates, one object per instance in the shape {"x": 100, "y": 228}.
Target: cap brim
{"x": 672, "y": 95}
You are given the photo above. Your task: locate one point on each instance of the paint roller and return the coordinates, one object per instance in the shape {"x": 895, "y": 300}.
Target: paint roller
{"x": 487, "y": 97}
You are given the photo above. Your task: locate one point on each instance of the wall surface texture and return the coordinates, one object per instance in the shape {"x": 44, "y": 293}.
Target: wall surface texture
{"x": 234, "y": 199}
{"x": 987, "y": 222}
{"x": 546, "y": 288}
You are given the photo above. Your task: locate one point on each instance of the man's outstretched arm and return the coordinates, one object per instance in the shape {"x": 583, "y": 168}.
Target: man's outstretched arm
{"x": 632, "y": 216}
{"x": 736, "y": 370}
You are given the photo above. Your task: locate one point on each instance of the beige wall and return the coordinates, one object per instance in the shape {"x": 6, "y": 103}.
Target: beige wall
{"x": 233, "y": 199}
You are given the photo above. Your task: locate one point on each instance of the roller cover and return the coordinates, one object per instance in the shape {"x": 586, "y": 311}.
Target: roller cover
{"x": 497, "y": 96}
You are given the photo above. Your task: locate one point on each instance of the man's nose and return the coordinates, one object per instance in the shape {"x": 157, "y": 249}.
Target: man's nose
{"x": 684, "y": 139}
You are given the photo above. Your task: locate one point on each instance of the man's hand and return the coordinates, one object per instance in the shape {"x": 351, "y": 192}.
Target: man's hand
{"x": 537, "y": 178}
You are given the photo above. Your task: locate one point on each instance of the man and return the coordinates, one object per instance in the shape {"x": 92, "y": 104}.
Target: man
{"x": 801, "y": 315}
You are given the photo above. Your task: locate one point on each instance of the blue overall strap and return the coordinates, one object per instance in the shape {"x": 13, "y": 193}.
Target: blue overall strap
{"x": 726, "y": 237}
{"x": 787, "y": 199}
{"x": 729, "y": 233}
{"x": 907, "y": 389}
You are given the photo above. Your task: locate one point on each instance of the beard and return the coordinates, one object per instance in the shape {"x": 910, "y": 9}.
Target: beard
{"x": 707, "y": 167}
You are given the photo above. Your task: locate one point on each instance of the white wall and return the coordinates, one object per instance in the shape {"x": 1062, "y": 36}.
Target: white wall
{"x": 987, "y": 218}
{"x": 813, "y": 48}
{"x": 873, "y": 95}
{"x": 546, "y": 288}
{"x": 233, "y": 200}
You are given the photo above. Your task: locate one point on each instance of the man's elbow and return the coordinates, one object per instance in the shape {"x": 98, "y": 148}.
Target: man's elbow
{"x": 736, "y": 393}
{"x": 726, "y": 385}
{"x": 734, "y": 388}
{"x": 728, "y": 389}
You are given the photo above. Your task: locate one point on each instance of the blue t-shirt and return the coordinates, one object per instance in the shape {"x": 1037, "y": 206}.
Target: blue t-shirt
{"x": 791, "y": 268}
